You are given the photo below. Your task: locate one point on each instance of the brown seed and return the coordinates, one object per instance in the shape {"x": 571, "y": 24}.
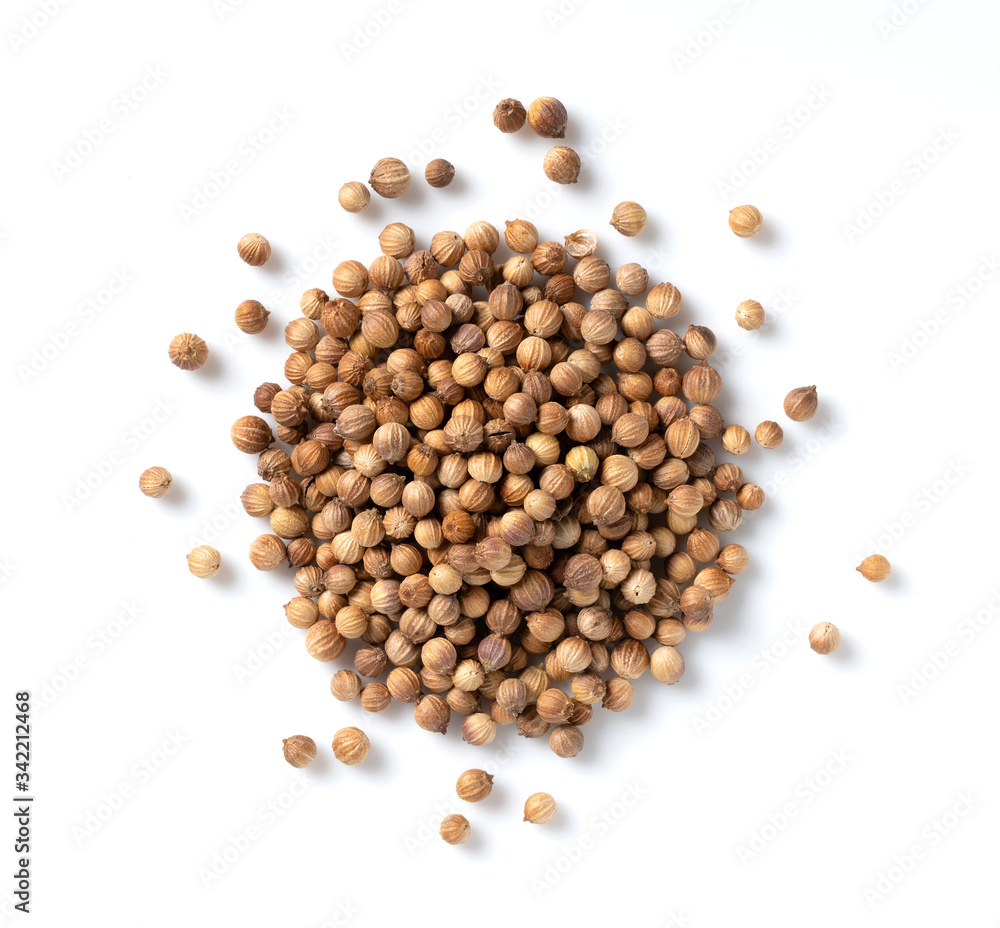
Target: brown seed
{"x": 350, "y": 745}
{"x": 188, "y": 352}
{"x": 439, "y": 173}
{"x": 769, "y": 434}
{"x": 628, "y": 218}
{"x": 254, "y": 249}
{"x": 454, "y": 829}
{"x": 561, "y": 165}
{"x": 539, "y": 808}
{"x": 800, "y": 404}
{"x": 547, "y": 116}
{"x": 354, "y": 197}
{"x": 155, "y": 482}
{"x": 745, "y": 221}
{"x": 251, "y": 317}
{"x": 509, "y": 115}
{"x": 390, "y": 178}
{"x": 875, "y": 568}
{"x": 474, "y": 785}
{"x": 299, "y": 750}
{"x": 824, "y": 638}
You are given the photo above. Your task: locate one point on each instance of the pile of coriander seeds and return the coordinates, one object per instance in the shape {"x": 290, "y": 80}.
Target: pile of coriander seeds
{"x": 501, "y": 496}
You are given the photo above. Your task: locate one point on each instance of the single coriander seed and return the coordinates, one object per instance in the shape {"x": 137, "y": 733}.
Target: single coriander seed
{"x": 354, "y": 197}
{"x": 455, "y": 829}
{"x": 439, "y": 173}
{"x": 509, "y": 115}
{"x": 800, "y": 404}
{"x": 299, "y": 750}
{"x": 474, "y": 785}
{"x": 155, "y": 482}
{"x": 188, "y": 352}
{"x": 824, "y": 638}
{"x": 204, "y": 562}
{"x": 628, "y": 218}
{"x": 254, "y": 249}
{"x": 745, "y": 221}
{"x": 875, "y": 568}
{"x": 539, "y": 808}
{"x": 350, "y": 745}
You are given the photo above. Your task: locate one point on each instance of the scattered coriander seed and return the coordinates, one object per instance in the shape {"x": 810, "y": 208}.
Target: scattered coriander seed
{"x": 800, "y": 404}
{"x": 539, "y": 808}
{"x": 547, "y": 116}
{"x": 768, "y": 434}
{"x": 561, "y": 165}
{"x": 875, "y": 568}
{"x": 188, "y": 352}
{"x": 155, "y": 482}
{"x": 628, "y": 218}
{"x": 254, "y": 249}
{"x": 581, "y": 244}
{"x": 251, "y": 317}
{"x": 745, "y": 221}
{"x": 509, "y": 115}
{"x": 750, "y": 315}
{"x": 474, "y": 785}
{"x": 350, "y": 745}
{"x": 455, "y": 829}
{"x": 354, "y": 197}
{"x": 299, "y": 750}
{"x": 390, "y": 178}
{"x": 439, "y": 173}
{"x": 204, "y": 562}
{"x": 824, "y": 638}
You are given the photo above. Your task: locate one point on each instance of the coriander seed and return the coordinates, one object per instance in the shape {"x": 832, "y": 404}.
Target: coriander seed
{"x": 350, "y": 745}
{"x": 745, "y": 221}
{"x": 474, "y": 785}
{"x": 254, "y": 249}
{"x": 539, "y": 808}
{"x": 155, "y": 482}
{"x": 875, "y": 568}
{"x": 454, "y": 829}
{"x": 824, "y": 638}
{"x": 299, "y": 750}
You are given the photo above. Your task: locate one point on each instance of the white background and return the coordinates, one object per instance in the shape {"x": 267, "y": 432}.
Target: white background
{"x": 899, "y": 457}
